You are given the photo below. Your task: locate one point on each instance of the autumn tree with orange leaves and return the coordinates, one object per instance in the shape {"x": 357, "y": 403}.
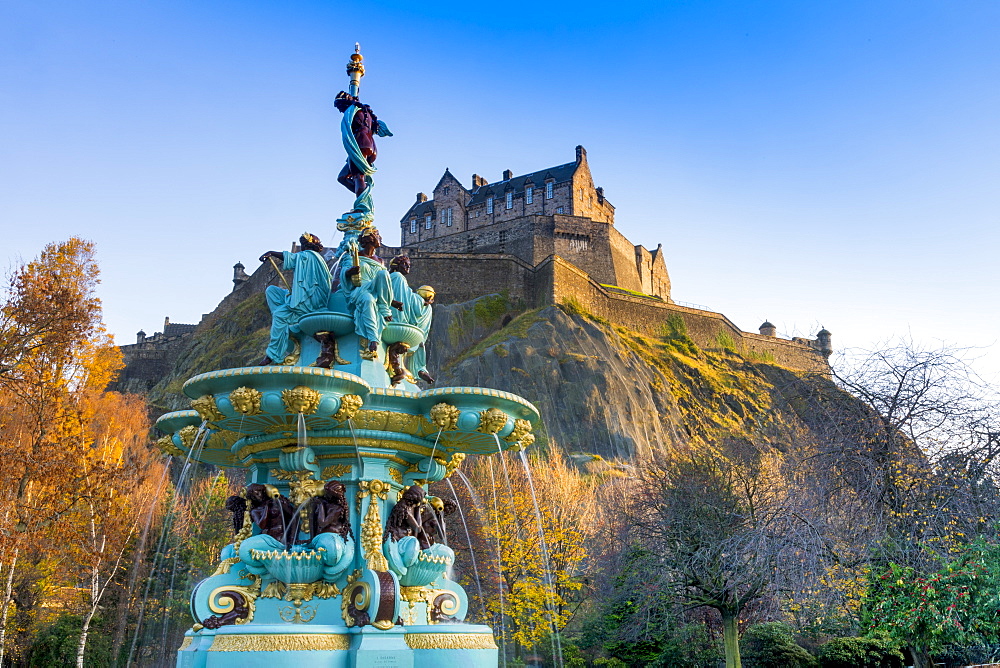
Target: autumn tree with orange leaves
{"x": 75, "y": 467}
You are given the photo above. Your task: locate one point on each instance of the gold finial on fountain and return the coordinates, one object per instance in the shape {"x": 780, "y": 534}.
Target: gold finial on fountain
{"x": 356, "y": 70}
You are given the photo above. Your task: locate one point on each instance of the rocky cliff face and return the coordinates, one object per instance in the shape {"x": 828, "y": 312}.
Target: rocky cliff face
{"x": 602, "y": 389}
{"x": 605, "y": 390}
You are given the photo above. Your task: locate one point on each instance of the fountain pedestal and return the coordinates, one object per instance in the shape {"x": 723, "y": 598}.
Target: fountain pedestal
{"x": 360, "y": 600}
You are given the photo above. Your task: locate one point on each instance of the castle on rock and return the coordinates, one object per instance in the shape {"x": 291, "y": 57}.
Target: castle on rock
{"x": 554, "y": 211}
{"x": 547, "y": 237}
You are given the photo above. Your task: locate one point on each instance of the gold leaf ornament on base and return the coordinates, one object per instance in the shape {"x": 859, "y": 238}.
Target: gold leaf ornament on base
{"x": 336, "y": 471}
{"x": 371, "y": 526}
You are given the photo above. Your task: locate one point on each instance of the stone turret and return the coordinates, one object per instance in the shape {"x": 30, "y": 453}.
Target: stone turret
{"x": 767, "y": 329}
{"x": 823, "y": 338}
{"x": 140, "y": 337}
{"x": 240, "y": 276}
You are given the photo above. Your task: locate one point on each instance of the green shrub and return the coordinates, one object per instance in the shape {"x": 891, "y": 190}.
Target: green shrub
{"x": 674, "y": 331}
{"x": 772, "y": 645}
{"x": 859, "y": 653}
{"x": 689, "y": 646}
{"x": 55, "y": 646}
{"x": 610, "y": 662}
{"x": 765, "y": 356}
{"x": 725, "y": 340}
{"x": 572, "y": 306}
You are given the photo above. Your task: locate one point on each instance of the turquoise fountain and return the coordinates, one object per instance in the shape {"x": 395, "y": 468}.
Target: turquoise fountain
{"x": 339, "y": 557}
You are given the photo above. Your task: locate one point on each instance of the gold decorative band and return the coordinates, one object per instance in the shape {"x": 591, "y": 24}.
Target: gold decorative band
{"x": 450, "y": 641}
{"x": 288, "y": 642}
{"x": 187, "y": 643}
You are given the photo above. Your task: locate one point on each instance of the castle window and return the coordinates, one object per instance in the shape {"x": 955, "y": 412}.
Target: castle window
{"x": 510, "y": 199}
{"x": 529, "y": 195}
{"x": 427, "y": 221}
{"x": 448, "y": 216}
{"x": 470, "y": 244}
{"x": 447, "y": 190}
{"x": 489, "y": 204}
{"x": 559, "y": 210}
{"x": 413, "y": 225}
{"x": 581, "y": 194}
{"x": 503, "y": 236}
{"x": 548, "y": 190}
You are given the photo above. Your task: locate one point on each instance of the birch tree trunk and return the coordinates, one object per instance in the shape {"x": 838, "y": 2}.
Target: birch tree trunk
{"x": 7, "y": 593}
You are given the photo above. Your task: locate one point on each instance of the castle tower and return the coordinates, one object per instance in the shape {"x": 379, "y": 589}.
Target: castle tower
{"x": 823, "y": 338}
{"x": 239, "y": 275}
{"x": 767, "y": 329}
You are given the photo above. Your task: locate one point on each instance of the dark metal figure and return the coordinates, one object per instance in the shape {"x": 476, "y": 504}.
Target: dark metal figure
{"x": 404, "y": 519}
{"x": 364, "y": 126}
{"x": 237, "y": 505}
{"x": 273, "y": 513}
{"x": 330, "y": 513}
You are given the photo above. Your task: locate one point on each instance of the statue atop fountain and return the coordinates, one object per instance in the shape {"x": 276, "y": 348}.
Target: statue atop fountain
{"x": 339, "y": 557}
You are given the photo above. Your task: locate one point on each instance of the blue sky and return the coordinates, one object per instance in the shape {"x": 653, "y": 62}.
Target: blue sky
{"x": 812, "y": 163}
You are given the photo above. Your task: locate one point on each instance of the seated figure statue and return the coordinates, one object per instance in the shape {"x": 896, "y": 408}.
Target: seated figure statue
{"x": 412, "y": 553}
{"x": 330, "y": 526}
{"x": 276, "y": 524}
{"x": 413, "y": 308}
{"x": 310, "y": 291}
{"x": 423, "y": 321}
{"x": 368, "y": 293}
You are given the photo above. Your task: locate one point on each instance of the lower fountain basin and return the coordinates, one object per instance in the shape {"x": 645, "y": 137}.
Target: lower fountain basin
{"x": 292, "y": 567}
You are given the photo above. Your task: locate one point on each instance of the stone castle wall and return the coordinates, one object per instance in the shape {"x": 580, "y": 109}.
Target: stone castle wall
{"x": 458, "y": 277}
{"x": 596, "y": 247}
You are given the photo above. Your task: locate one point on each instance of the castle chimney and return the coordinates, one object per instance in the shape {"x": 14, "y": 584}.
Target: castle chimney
{"x": 600, "y": 193}
{"x": 421, "y": 198}
{"x": 767, "y": 329}
{"x": 581, "y": 154}
{"x": 478, "y": 181}
{"x": 507, "y": 175}
{"x": 166, "y": 321}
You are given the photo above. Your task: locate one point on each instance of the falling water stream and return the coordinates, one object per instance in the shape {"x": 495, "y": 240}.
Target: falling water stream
{"x": 357, "y": 449}
{"x": 468, "y": 539}
{"x": 496, "y": 518}
{"x": 546, "y": 569}
{"x": 557, "y": 641}
{"x": 182, "y": 479}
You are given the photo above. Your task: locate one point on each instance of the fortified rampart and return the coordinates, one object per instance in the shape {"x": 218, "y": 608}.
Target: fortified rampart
{"x": 555, "y": 280}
